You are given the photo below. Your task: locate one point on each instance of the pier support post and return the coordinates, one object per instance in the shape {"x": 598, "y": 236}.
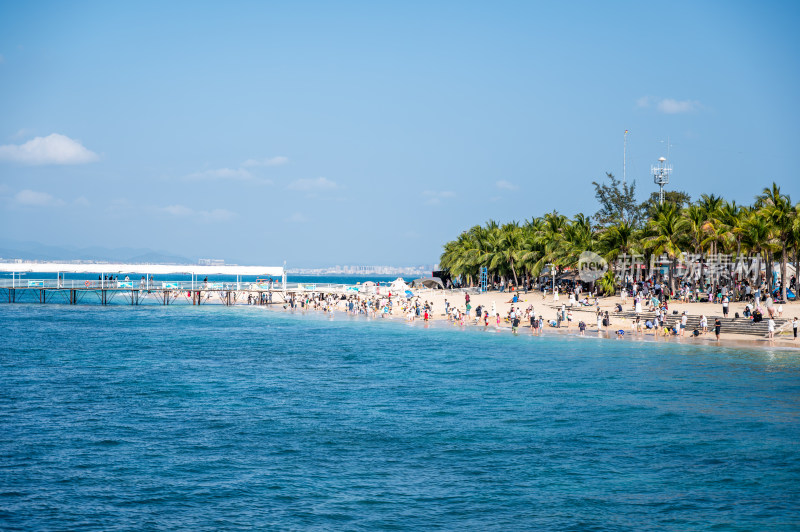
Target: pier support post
{"x": 73, "y": 296}
{"x": 12, "y": 295}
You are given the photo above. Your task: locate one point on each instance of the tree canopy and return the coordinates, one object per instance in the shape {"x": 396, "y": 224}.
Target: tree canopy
{"x": 768, "y": 230}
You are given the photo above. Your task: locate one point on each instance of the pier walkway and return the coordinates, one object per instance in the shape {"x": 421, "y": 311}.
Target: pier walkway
{"x": 135, "y": 284}
{"x": 34, "y": 282}
{"x": 76, "y": 291}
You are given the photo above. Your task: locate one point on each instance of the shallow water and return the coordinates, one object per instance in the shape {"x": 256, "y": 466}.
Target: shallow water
{"x": 223, "y": 418}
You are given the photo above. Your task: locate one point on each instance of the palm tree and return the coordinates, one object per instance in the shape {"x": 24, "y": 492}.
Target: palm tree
{"x": 550, "y": 236}
{"x": 514, "y": 239}
{"x": 669, "y": 229}
{"x": 756, "y": 238}
{"x": 778, "y": 209}
{"x": 796, "y": 246}
{"x": 457, "y": 254}
{"x": 618, "y": 239}
{"x": 532, "y": 249}
{"x": 576, "y": 237}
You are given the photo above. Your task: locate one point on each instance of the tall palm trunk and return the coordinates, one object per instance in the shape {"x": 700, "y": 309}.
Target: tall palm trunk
{"x": 514, "y": 272}
{"x": 796, "y": 269}
{"x": 672, "y": 276}
{"x": 758, "y": 272}
{"x": 770, "y": 260}
{"x": 783, "y": 272}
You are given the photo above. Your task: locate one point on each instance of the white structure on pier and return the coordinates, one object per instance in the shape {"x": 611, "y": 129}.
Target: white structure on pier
{"x": 194, "y": 270}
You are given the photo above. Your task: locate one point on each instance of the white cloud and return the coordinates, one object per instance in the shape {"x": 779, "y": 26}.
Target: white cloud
{"x": 311, "y": 185}
{"x": 270, "y": 161}
{"x": 178, "y": 210}
{"x": 22, "y": 133}
{"x": 671, "y": 107}
{"x": 435, "y": 197}
{"x": 506, "y": 185}
{"x": 52, "y": 149}
{"x": 31, "y": 198}
{"x": 217, "y": 215}
{"x": 297, "y": 217}
{"x": 221, "y": 174}
{"x": 214, "y": 215}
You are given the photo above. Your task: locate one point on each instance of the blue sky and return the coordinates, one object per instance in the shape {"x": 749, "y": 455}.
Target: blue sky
{"x": 372, "y": 132}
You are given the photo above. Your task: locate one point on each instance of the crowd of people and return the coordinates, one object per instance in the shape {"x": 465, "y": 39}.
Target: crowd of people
{"x": 643, "y": 309}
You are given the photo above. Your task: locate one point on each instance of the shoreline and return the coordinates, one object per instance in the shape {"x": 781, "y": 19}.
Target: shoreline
{"x": 441, "y": 323}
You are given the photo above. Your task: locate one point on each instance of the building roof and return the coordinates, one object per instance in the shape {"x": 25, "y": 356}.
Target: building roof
{"x": 152, "y": 269}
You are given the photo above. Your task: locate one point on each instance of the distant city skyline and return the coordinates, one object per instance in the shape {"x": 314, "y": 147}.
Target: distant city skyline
{"x": 46, "y": 254}
{"x": 373, "y": 133}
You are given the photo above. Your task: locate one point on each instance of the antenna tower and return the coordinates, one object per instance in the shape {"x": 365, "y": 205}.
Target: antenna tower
{"x": 661, "y": 175}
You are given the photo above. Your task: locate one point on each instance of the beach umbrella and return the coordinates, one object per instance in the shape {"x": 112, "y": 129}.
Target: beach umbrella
{"x": 409, "y": 294}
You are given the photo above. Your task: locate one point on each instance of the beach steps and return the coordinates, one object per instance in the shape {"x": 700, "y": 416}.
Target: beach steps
{"x": 729, "y": 325}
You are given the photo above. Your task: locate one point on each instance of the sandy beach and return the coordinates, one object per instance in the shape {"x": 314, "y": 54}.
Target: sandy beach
{"x": 547, "y": 307}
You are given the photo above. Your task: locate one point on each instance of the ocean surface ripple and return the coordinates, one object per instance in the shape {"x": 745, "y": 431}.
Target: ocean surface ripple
{"x": 209, "y": 418}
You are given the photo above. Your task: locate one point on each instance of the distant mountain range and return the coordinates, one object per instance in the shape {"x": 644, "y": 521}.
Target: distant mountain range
{"x": 36, "y": 251}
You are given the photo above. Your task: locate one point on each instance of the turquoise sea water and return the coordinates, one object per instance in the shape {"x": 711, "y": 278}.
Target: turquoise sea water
{"x": 208, "y": 418}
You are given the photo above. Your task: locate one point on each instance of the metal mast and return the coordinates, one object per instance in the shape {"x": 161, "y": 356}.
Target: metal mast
{"x": 624, "y": 156}
{"x": 661, "y": 177}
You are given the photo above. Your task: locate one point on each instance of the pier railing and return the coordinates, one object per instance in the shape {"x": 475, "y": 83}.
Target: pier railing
{"x": 110, "y": 284}
{"x": 155, "y": 285}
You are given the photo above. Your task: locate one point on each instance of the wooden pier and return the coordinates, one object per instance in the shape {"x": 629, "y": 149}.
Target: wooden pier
{"x": 165, "y": 293}
{"x": 45, "y": 282}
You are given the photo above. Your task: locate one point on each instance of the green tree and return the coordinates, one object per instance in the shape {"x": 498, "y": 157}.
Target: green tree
{"x": 778, "y": 209}
{"x": 648, "y": 207}
{"x": 617, "y": 202}
{"x": 669, "y": 229}
{"x": 618, "y": 239}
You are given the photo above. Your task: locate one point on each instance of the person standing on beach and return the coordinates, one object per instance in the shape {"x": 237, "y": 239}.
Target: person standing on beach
{"x": 725, "y": 303}
{"x": 794, "y": 328}
{"x": 717, "y": 327}
{"x": 683, "y": 323}
{"x": 770, "y": 328}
